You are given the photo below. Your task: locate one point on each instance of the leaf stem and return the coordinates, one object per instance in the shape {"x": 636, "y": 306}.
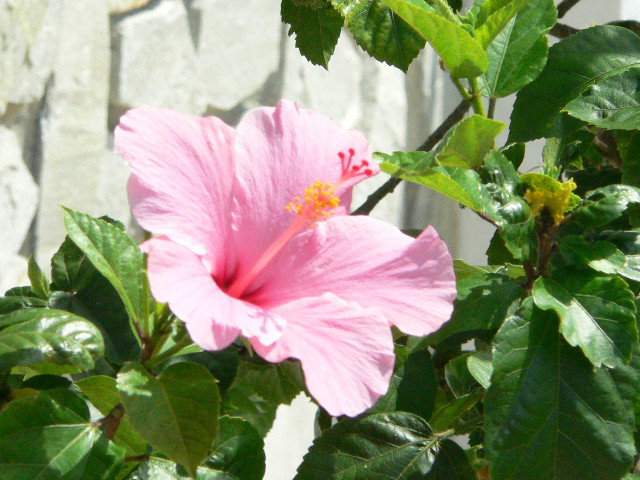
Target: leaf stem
{"x": 431, "y": 141}
{"x": 461, "y": 88}
{"x": 168, "y": 353}
{"x": 112, "y": 421}
{"x": 492, "y": 107}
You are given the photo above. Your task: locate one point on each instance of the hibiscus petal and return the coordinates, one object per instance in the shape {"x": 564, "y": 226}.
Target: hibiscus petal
{"x": 178, "y": 277}
{"x": 280, "y": 153}
{"x": 182, "y": 177}
{"x": 410, "y": 281}
{"x": 346, "y": 351}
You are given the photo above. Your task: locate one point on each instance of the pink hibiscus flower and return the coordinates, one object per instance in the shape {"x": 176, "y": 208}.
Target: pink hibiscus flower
{"x": 253, "y": 240}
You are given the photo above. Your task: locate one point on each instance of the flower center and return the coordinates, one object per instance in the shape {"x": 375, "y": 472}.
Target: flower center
{"x": 318, "y": 203}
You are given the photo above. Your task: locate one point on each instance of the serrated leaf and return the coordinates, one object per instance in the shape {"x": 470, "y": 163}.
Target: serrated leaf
{"x": 497, "y": 21}
{"x": 39, "y": 282}
{"x": 518, "y": 53}
{"x": 176, "y": 412}
{"x": 37, "y": 335}
{"x": 601, "y": 255}
{"x": 483, "y": 303}
{"x": 103, "y": 393}
{"x": 613, "y": 104}
{"x": 575, "y": 63}
{"x": 468, "y": 142}
{"x": 392, "y": 446}
{"x": 259, "y": 389}
{"x": 549, "y": 414}
{"x": 463, "y": 56}
{"x": 596, "y": 313}
{"x": 317, "y": 30}
{"x": 115, "y": 255}
{"x": 604, "y": 205}
{"x": 413, "y": 387}
{"x": 380, "y": 32}
{"x": 238, "y": 450}
{"x": 50, "y": 437}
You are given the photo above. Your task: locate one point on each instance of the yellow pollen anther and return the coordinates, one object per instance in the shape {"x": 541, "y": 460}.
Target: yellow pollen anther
{"x": 319, "y": 202}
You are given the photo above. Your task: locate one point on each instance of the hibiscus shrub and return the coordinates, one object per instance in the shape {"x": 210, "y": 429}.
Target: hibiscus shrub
{"x": 168, "y": 360}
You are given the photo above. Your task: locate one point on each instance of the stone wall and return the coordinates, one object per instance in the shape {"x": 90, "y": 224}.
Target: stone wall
{"x": 70, "y": 68}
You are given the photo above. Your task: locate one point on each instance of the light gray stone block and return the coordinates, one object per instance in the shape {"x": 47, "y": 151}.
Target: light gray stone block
{"x": 154, "y": 58}
{"x": 18, "y": 195}
{"x": 74, "y": 121}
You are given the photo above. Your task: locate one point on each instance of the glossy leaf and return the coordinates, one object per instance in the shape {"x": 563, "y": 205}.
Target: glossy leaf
{"x": 177, "y": 412}
{"x": 448, "y": 415}
{"x": 37, "y": 335}
{"x": 613, "y": 104}
{"x": 50, "y": 437}
{"x": 604, "y": 205}
{"x": 11, "y": 303}
{"x": 596, "y": 313}
{"x": 380, "y": 32}
{"x": 238, "y": 450}
{"x": 550, "y": 415}
{"x": 115, "y": 255}
{"x": 413, "y": 388}
{"x": 317, "y": 30}
{"x": 157, "y": 468}
{"x": 462, "y": 54}
{"x": 483, "y": 303}
{"x": 392, "y": 446}
{"x": 576, "y": 63}
{"x": 259, "y": 389}
{"x": 481, "y": 367}
{"x": 103, "y": 393}
{"x": 602, "y": 256}
{"x": 518, "y": 53}
{"x": 468, "y": 142}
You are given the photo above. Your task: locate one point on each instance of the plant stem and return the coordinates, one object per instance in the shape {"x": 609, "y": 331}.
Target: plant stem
{"x": 431, "y": 141}
{"x": 492, "y": 107}
{"x": 112, "y": 421}
{"x": 476, "y": 100}
{"x": 463, "y": 91}
{"x": 565, "y": 6}
{"x": 168, "y": 353}
{"x": 560, "y": 30}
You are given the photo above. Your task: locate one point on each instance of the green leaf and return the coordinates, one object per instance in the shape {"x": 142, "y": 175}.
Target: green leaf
{"x": 604, "y": 205}
{"x": 468, "y": 142}
{"x": 497, "y": 21}
{"x": 39, "y": 282}
{"x": 177, "y": 412}
{"x": 464, "y": 270}
{"x": 115, "y": 255}
{"x": 613, "y": 104}
{"x": 550, "y": 415}
{"x": 483, "y": 303}
{"x": 259, "y": 389}
{"x": 457, "y": 375}
{"x": 596, "y": 313}
{"x": 157, "y": 468}
{"x": 317, "y": 30}
{"x": 629, "y": 148}
{"x": 71, "y": 270}
{"x": 50, "y": 437}
{"x": 448, "y": 415}
{"x": 455, "y": 183}
{"x": 392, "y": 446}
{"x": 413, "y": 388}
{"x": 518, "y": 53}
{"x": 102, "y": 392}
{"x": 481, "y": 367}
{"x": 11, "y": 303}
{"x": 451, "y": 463}
{"x": 37, "y": 335}
{"x": 575, "y": 63}
{"x": 602, "y": 256}
{"x": 238, "y": 451}
{"x": 380, "y": 32}
{"x": 462, "y": 54}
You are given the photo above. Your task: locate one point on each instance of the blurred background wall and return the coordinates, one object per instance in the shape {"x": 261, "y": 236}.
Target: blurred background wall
{"x": 70, "y": 68}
